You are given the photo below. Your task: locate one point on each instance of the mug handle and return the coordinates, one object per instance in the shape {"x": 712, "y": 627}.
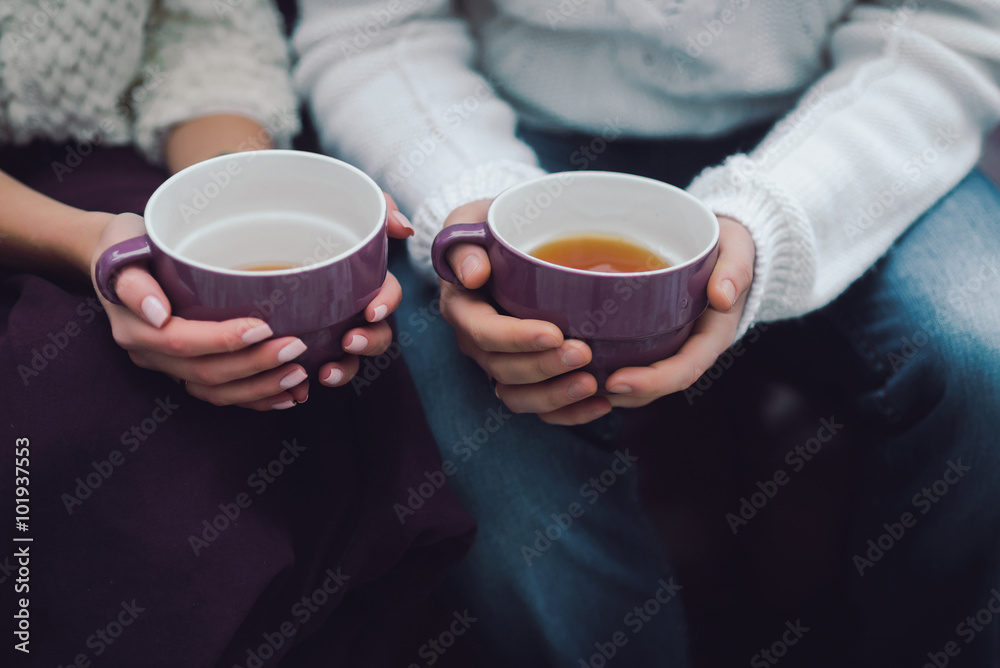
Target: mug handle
{"x": 114, "y": 259}
{"x": 464, "y": 233}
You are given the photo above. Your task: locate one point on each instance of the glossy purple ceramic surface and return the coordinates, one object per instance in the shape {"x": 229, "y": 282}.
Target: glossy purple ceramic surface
{"x": 626, "y": 319}
{"x": 317, "y": 302}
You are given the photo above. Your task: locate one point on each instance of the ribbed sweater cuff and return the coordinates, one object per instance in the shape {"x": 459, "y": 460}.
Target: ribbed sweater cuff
{"x": 484, "y": 181}
{"x": 785, "y": 263}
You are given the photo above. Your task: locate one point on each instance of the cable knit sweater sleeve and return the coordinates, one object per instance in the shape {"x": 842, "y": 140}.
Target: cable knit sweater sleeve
{"x": 896, "y": 123}
{"x": 223, "y": 57}
{"x": 393, "y": 89}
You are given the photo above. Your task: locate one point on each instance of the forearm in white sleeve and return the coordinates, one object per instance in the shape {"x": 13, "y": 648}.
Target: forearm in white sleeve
{"x": 895, "y": 124}
{"x": 393, "y": 90}
{"x": 207, "y": 58}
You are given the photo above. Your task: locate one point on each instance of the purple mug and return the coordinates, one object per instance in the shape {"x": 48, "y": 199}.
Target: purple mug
{"x": 627, "y": 319}
{"x": 296, "y": 239}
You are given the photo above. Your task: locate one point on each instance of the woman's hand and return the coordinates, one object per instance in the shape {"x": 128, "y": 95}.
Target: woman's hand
{"x": 234, "y": 362}
{"x": 713, "y": 332}
{"x": 218, "y": 361}
{"x": 536, "y": 369}
{"x": 373, "y": 339}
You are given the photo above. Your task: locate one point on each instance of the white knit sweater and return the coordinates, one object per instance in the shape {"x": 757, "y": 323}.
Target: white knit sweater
{"x": 118, "y": 72}
{"x": 886, "y": 108}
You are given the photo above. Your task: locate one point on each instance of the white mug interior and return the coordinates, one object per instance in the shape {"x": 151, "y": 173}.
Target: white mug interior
{"x": 666, "y": 220}
{"x": 265, "y": 208}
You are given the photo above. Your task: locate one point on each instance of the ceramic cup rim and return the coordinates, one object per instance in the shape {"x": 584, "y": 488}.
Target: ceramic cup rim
{"x": 599, "y": 175}
{"x": 266, "y": 154}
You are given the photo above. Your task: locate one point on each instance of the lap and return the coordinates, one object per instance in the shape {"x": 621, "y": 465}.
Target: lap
{"x": 213, "y": 521}
{"x": 925, "y": 325}
{"x": 564, "y": 550}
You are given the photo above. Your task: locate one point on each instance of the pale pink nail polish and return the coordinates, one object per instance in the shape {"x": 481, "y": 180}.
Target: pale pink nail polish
{"x": 381, "y": 311}
{"x": 256, "y": 334}
{"x": 357, "y": 345}
{"x": 292, "y": 379}
{"x": 402, "y": 220}
{"x": 283, "y": 405}
{"x": 291, "y": 351}
{"x": 154, "y": 311}
{"x": 334, "y": 377}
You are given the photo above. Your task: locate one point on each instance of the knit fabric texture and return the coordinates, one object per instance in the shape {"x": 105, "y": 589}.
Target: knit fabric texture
{"x": 884, "y": 105}
{"x": 115, "y": 72}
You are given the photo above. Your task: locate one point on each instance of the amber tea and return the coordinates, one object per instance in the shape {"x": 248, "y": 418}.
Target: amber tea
{"x": 600, "y": 252}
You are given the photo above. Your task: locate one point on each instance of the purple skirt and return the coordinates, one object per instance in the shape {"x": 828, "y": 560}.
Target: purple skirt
{"x": 169, "y": 532}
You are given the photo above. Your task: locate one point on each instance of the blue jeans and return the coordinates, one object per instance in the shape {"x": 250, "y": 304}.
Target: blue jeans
{"x": 567, "y": 570}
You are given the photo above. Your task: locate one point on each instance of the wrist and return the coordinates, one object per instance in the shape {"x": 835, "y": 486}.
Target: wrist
{"x": 82, "y": 243}
{"x": 206, "y": 137}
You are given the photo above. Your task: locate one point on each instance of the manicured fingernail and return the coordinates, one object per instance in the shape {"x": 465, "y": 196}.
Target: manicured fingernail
{"x": 400, "y": 219}
{"x": 283, "y": 405}
{"x": 257, "y": 334}
{"x": 621, "y": 388}
{"x": 573, "y": 357}
{"x": 357, "y": 345}
{"x": 292, "y": 379}
{"x": 469, "y": 266}
{"x": 578, "y": 390}
{"x": 291, "y": 351}
{"x": 380, "y": 312}
{"x": 729, "y": 290}
{"x": 546, "y": 342}
{"x": 334, "y": 377}
{"x": 154, "y": 311}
